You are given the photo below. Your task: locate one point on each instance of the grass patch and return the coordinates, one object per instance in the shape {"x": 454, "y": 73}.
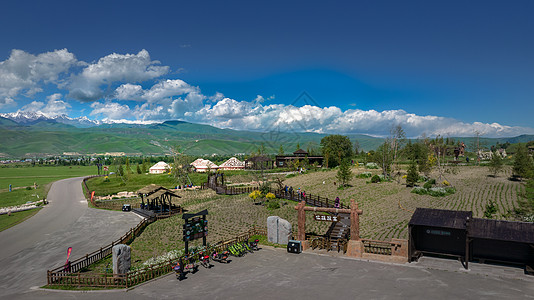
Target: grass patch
{"x": 16, "y": 218}
{"x": 26, "y": 176}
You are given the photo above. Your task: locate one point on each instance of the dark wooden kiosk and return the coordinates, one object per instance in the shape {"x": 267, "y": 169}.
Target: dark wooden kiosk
{"x": 502, "y": 241}
{"x": 458, "y": 234}
{"x": 156, "y": 199}
{"x": 438, "y": 232}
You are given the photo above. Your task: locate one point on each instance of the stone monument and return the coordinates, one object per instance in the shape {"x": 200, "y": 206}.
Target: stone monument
{"x": 121, "y": 259}
{"x": 278, "y": 230}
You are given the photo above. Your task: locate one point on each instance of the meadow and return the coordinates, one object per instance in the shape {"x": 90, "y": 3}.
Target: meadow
{"x": 22, "y": 180}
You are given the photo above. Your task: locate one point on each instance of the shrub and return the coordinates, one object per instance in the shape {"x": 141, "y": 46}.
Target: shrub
{"x": 273, "y": 204}
{"x": 270, "y": 196}
{"x": 106, "y": 179}
{"x": 419, "y": 190}
{"x": 365, "y": 175}
{"x": 255, "y": 194}
{"x": 427, "y": 185}
{"x": 375, "y": 179}
{"x": 490, "y": 210}
{"x": 371, "y": 165}
{"x": 446, "y": 183}
{"x": 28, "y": 188}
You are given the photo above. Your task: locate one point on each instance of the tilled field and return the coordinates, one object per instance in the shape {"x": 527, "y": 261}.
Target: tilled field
{"x": 388, "y": 206}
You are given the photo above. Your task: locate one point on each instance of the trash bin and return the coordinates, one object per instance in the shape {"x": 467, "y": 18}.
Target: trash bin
{"x": 294, "y": 246}
{"x": 126, "y": 207}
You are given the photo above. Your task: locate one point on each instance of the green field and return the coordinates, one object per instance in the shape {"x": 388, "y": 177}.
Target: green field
{"x": 15, "y": 218}
{"x": 41, "y": 175}
{"x": 23, "y": 177}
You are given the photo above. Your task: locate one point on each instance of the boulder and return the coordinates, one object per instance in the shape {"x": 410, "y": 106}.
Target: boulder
{"x": 121, "y": 259}
{"x": 278, "y": 230}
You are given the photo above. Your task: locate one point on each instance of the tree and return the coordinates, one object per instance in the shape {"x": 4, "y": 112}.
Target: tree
{"x": 335, "y": 149}
{"x": 298, "y": 147}
{"x": 281, "y": 151}
{"x": 344, "y": 174}
{"x": 138, "y": 169}
{"x": 383, "y": 156}
{"x": 522, "y": 162}
{"x": 413, "y": 175}
{"x": 496, "y": 163}
{"x": 398, "y": 137}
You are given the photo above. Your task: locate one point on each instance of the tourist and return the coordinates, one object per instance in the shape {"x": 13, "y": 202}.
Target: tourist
{"x": 336, "y": 202}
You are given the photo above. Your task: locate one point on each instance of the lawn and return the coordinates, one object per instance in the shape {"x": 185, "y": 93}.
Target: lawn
{"x": 15, "y": 218}
{"x": 27, "y": 176}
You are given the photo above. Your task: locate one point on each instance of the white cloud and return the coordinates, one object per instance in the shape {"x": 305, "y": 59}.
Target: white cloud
{"x": 23, "y": 72}
{"x": 111, "y": 110}
{"x": 113, "y": 68}
{"x": 169, "y": 88}
{"x": 129, "y": 91}
{"x": 53, "y": 107}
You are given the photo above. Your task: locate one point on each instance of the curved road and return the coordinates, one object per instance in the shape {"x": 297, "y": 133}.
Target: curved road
{"x": 30, "y": 248}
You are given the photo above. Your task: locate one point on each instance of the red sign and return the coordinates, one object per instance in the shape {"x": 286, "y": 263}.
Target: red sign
{"x": 106, "y": 168}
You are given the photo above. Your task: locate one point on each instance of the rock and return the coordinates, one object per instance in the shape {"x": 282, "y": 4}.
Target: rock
{"x": 278, "y": 230}
{"x": 121, "y": 259}
{"x": 284, "y": 231}
{"x": 272, "y": 229}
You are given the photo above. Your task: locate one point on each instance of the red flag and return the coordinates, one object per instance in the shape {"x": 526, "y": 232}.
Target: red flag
{"x": 92, "y": 195}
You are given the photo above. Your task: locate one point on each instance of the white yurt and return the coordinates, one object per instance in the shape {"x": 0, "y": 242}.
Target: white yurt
{"x": 232, "y": 164}
{"x": 159, "y": 168}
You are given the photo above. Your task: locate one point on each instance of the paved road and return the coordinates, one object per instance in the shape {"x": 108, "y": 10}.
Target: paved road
{"x": 276, "y": 274}
{"x": 29, "y": 249}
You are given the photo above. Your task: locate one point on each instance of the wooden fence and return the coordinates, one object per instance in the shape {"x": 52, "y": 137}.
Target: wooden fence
{"x": 380, "y": 247}
{"x": 60, "y": 276}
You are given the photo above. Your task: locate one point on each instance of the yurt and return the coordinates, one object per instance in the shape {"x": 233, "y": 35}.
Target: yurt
{"x": 203, "y": 165}
{"x": 232, "y": 164}
{"x": 159, "y": 168}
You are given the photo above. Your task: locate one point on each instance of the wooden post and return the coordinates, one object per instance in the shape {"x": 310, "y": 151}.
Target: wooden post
{"x": 354, "y": 220}
{"x": 301, "y": 221}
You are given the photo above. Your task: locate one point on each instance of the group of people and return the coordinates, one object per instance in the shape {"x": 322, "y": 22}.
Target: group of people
{"x": 301, "y": 194}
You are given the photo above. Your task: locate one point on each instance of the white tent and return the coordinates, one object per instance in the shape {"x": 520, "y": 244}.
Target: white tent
{"x": 202, "y": 165}
{"x": 159, "y": 168}
{"x": 232, "y": 164}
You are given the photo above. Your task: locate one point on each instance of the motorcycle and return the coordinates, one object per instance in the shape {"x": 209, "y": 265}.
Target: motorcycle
{"x": 254, "y": 245}
{"x": 204, "y": 260}
{"x": 220, "y": 257}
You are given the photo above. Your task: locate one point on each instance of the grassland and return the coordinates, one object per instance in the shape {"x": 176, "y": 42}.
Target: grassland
{"x": 23, "y": 179}
{"x": 7, "y": 221}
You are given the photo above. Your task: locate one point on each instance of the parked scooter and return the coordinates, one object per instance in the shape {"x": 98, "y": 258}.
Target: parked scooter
{"x": 204, "y": 260}
{"x": 254, "y": 245}
{"x": 221, "y": 257}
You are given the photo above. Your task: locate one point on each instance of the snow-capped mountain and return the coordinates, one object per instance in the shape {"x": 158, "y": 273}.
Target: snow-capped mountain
{"x": 29, "y": 118}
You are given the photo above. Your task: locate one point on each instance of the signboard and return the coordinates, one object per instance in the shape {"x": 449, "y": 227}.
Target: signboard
{"x": 326, "y": 218}
{"x": 106, "y": 168}
{"x": 195, "y": 228}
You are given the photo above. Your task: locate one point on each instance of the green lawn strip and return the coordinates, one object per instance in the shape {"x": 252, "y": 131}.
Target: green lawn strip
{"x": 21, "y": 196}
{"x": 16, "y": 218}
{"x": 27, "y": 176}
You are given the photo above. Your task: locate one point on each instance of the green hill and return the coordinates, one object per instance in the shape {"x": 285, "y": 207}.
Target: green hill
{"x": 51, "y": 138}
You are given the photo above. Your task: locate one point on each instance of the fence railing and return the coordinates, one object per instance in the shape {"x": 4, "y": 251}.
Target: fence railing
{"x": 380, "y": 247}
{"x": 59, "y": 276}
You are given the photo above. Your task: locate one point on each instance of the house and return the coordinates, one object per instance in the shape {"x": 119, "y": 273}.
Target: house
{"x": 284, "y": 161}
{"x": 203, "y": 165}
{"x": 159, "y": 168}
{"x": 232, "y": 164}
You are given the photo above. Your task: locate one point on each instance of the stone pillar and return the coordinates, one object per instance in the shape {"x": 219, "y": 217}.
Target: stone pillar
{"x": 121, "y": 259}
{"x": 284, "y": 231}
{"x": 272, "y": 229}
{"x": 354, "y": 220}
{"x": 355, "y": 248}
{"x": 401, "y": 249}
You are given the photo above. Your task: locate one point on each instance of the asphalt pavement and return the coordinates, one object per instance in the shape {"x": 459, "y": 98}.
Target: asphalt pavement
{"x": 30, "y": 248}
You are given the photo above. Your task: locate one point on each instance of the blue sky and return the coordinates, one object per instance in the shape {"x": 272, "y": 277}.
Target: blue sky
{"x": 434, "y": 67}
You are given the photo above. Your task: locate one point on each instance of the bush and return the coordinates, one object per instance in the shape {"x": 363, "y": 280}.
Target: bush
{"x": 28, "y": 188}
{"x": 427, "y": 185}
{"x": 375, "y": 179}
{"x": 371, "y": 165}
{"x": 434, "y": 192}
{"x": 365, "y": 175}
{"x": 255, "y": 194}
{"x": 273, "y": 204}
{"x": 446, "y": 183}
{"x": 270, "y": 196}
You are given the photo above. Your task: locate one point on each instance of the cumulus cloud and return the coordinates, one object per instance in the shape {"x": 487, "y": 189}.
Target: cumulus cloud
{"x": 23, "y": 72}
{"x": 110, "y": 110}
{"x": 53, "y": 107}
{"x": 88, "y": 85}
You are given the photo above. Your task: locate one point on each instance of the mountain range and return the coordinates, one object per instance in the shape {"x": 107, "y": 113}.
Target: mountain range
{"x": 26, "y": 134}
